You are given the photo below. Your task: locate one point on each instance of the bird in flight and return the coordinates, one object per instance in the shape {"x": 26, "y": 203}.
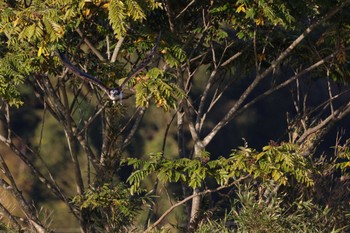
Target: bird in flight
{"x": 112, "y": 93}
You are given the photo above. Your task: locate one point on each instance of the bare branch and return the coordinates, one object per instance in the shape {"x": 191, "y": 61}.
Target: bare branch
{"x": 257, "y": 70}
{"x": 161, "y": 218}
{"x": 51, "y": 185}
{"x": 54, "y": 101}
{"x": 203, "y": 98}
{"x": 108, "y": 52}
{"x": 185, "y": 104}
{"x": 61, "y": 195}
{"x": 92, "y": 118}
{"x": 285, "y": 83}
{"x": 264, "y": 74}
{"x": 167, "y": 131}
{"x": 324, "y": 126}
{"x": 68, "y": 129}
{"x": 169, "y": 14}
{"x": 10, "y": 217}
{"x": 216, "y": 97}
{"x": 214, "y": 55}
{"x": 132, "y": 132}
{"x": 28, "y": 210}
{"x": 185, "y": 9}
{"x": 235, "y": 56}
{"x": 330, "y": 93}
{"x": 201, "y": 114}
{"x": 116, "y": 49}
{"x": 90, "y": 45}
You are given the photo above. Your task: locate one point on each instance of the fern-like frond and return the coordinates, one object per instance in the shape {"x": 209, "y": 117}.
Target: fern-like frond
{"x": 117, "y": 17}
{"x": 134, "y": 10}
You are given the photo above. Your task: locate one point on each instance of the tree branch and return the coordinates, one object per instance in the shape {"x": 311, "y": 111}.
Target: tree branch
{"x": 134, "y": 127}
{"x": 116, "y": 49}
{"x": 28, "y": 210}
{"x": 155, "y": 186}
{"x": 201, "y": 115}
{"x": 55, "y": 103}
{"x": 234, "y": 56}
{"x": 70, "y": 141}
{"x": 10, "y": 217}
{"x": 90, "y": 45}
{"x": 228, "y": 117}
{"x": 161, "y": 218}
{"x": 36, "y": 173}
{"x": 285, "y": 83}
{"x": 92, "y": 118}
{"x": 185, "y": 9}
{"x": 169, "y": 14}
{"x": 324, "y": 126}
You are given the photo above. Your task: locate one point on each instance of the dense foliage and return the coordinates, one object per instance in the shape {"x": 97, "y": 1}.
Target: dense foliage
{"x": 168, "y": 157}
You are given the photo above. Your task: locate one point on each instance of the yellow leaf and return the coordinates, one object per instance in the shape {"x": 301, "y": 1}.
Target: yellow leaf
{"x": 159, "y": 103}
{"x": 15, "y": 22}
{"x": 276, "y": 175}
{"x": 241, "y": 8}
{"x": 259, "y": 21}
{"x": 105, "y": 5}
{"x": 140, "y": 39}
{"x": 87, "y": 12}
{"x": 260, "y": 155}
{"x": 40, "y": 51}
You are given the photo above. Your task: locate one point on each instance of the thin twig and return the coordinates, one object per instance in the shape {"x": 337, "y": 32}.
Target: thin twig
{"x": 70, "y": 141}
{"x": 116, "y": 49}
{"x": 285, "y": 83}
{"x": 235, "y": 56}
{"x": 8, "y": 122}
{"x": 155, "y": 186}
{"x": 329, "y": 121}
{"x": 28, "y": 210}
{"x": 132, "y": 132}
{"x": 90, "y": 45}
{"x": 55, "y": 103}
{"x": 274, "y": 64}
{"x": 330, "y": 93}
{"x": 185, "y": 9}
{"x": 161, "y": 218}
{"x": 108, "y": 52}
{"x": 167, "y": 132}
{"x": 169, "y": 14}
{"x": 92, "y": 118}
{"x": 10, "y": 217}
{"x": 255, "y": 54}
{"x": 42, "y": 127}
{"x": 201, "y": 114}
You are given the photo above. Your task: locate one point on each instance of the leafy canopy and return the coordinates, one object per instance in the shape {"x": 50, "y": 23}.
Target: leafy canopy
{"x": 277, "y": 162}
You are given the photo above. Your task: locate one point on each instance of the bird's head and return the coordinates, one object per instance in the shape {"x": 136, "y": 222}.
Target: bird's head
{"x": 115, "y": 94}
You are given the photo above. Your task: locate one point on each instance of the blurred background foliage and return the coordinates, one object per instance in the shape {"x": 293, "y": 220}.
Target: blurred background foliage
{"x": 283, "y": 191}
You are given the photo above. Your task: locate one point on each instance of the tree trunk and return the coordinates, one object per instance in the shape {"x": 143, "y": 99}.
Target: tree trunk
{"x": 198, "y": 148}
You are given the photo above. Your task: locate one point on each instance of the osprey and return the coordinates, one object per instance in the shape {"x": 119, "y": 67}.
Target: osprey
{"x": 112, "y": 93}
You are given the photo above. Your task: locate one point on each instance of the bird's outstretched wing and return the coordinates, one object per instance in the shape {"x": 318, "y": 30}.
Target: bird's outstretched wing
{"x": 142, "y": 65}
{"x": 114, "y": 93}
{"x": 85, "y": 76}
